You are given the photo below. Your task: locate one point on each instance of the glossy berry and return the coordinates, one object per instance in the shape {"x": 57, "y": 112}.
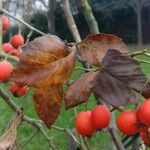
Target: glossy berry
{"x": 18, "y": 90}
{"x": 17, "y": 40}
{"x": 7, "y": 47}
{"x": 145, "y": 136}
{"x": 143, "y": 112}
{"x": 100, "y": 117}
{"x": 127, "y": 122}
{"x": 5, "y": 70}
{"x": 83, "y": 123}
{"x": 5, "y": 23}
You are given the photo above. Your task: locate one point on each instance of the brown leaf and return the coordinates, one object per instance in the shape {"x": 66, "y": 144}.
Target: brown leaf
{"x": 37, "y": 55}
{"x": 79, "y": 91}
{"x": 46, "y": 65}
{"x": 8, "y": 139}
{"x": 47, "y": 101}
{"x": 94, "y": 47}
{"x": 119, "y": 79}
{"x": 48, "y": 92}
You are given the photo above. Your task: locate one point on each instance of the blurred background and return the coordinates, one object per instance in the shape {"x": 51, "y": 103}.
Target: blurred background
{"x": 128, "y": 19}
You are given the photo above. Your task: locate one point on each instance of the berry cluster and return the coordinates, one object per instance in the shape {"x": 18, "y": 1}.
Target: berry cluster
{"x": 87, "y": 122}
{"x": 16, "y": 41}
{"x": 130, "y": 122}
{"x": 6, "y": 67}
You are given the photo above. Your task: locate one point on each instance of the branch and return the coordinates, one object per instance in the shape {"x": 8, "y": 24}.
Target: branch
{"x": 8, "y": 100}
{"x": 71, "y": 23}
{"x": 13, "y": 58}
{"x": 22, "y": 22}
{"x": 17, "y": 109}
{"x": 142, "y": 61}
{"x": 115, "y": 139}
{"x": 142, "y": 52}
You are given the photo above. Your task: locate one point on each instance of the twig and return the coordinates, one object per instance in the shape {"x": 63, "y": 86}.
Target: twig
{"x": 142, "y": 52}
{"x": 28, "y": 140}
{"x": 38, "y": 125}
{"x": 33, "y": 122}
{"x": 115, "y": 139}
{"x": 28, "y": 36}
{"x": 13, "y": 58}
{"x": 86, "y": 144}
{"x": 22, "y": 22}
{"x": 8, "y": 100}
{"x": 85, "y": 69}
{"x": 142, "y": 61}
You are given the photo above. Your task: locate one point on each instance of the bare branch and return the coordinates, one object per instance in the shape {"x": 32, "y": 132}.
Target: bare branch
{"x": 115, "y": 139}
{"x": 13, "y": 58}
{"x": 8, "y": 100}
{"x": 142, "y": 52}
{"x": 23, "y": 22}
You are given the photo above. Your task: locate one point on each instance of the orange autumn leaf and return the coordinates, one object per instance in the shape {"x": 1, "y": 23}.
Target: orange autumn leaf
{"x": 37, "y": 55}
{"x": 94, "y": 47}
{"x": 45, "y": 65}
{"x": 47, "y": 101}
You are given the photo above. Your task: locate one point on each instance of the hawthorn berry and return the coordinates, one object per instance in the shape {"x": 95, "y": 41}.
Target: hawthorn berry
{"x": 7, "y": 47}
{"x": 5, "y": 70}
{"x": 143, "y": 112}
{"x": 127, "y": 122}
{"x": 5, "y": 23}
{"x": 17, "y": 40}
{"x": 100, "y": 117}
{"x": 83, "y": 123}
{"x": 18, "y": 90}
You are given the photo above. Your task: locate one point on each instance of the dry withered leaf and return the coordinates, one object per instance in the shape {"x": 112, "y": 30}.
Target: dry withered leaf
{"x": 45, "y": 65}
{"x": 119, "y": 79}
{"x": 48, "y": 92}
{"x": 8, "y": 139}
{"x": 47, "y": 101}
{"x": 94, "y": 47}
{"x": 38, "y": 54}
{"x": 79, "y": 91}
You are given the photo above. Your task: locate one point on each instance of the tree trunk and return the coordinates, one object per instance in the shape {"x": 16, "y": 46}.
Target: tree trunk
{"x": 139, "y": 23}
{"x": 89, "y": 17}
{"x": 70, "y": 20}
{"x": 51, "y": 16}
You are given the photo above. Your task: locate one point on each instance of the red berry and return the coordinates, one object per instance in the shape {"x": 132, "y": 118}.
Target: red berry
{"x": 83, "y": 123}
{"x": 143, "y": 112}
{"x": 7, "y": 47}
{"x": 17, "y": 40}
{"x": 18, "y": 90}
{"x": 144, "y": 134}
{"x": 5, "y": 70}
{"x": 100, "y": 117}
{"x": 5, "y": 23}
{"x": 127, "y": 122}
